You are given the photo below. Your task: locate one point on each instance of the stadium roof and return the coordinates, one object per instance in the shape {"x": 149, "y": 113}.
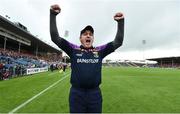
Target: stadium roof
{"x": 5, "y": 23}
{"x": 167, "y": 59}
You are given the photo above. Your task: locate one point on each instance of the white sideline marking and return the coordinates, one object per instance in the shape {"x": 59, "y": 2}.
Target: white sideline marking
{"x": 52, "y": 73}
{"x": 29, "y": 100}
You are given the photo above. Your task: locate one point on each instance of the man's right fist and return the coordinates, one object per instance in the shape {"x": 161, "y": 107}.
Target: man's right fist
{"x": 118, "y": 16}
{"x": 56, "y": 8}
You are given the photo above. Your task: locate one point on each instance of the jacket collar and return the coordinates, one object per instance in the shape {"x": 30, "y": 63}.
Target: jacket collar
{"x": 82, "y": 47}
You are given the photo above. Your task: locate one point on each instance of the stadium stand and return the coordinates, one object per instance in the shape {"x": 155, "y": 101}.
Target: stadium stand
{"x": 167, "y": 62}
{"x": 22, "y": 53}
{"x": 130, "y": 63}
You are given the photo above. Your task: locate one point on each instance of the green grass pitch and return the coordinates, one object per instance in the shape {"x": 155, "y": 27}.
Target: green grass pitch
{"x": 125, "y": 90}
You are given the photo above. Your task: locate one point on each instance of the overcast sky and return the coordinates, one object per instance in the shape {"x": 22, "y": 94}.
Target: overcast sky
{"x": 155, "y": 21}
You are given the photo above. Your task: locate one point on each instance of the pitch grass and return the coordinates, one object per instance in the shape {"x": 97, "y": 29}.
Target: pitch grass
{"x": 125, "y": 90}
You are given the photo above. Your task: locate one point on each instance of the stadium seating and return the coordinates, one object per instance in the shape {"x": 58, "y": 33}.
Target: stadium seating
{"x": 15, "y": 64}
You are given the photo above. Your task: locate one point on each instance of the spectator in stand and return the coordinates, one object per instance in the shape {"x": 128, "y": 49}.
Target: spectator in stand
{"x": 1, "y": 71}
{"x": 6, "y": 75}
{"x": 64, "y": 66}
{"x": 51, "y": 67}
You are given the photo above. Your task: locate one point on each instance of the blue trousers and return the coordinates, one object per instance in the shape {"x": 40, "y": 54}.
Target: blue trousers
{"x": 85, "y": 100}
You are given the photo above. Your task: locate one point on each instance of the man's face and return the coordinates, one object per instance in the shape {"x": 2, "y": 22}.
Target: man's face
{"x": 87, "y": 39}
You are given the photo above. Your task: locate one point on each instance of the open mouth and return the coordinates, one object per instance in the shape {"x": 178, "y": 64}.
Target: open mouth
{"x": 88, "y": 41}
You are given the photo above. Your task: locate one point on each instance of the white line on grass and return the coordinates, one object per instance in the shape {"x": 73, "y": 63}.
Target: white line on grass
{"x": 52, "y": 73}
{"x": 29, "y": 100}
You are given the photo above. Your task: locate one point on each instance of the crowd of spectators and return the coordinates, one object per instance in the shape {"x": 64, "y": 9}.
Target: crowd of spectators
{"x": 13, "y": 63}
{"x": 170, "y": 65}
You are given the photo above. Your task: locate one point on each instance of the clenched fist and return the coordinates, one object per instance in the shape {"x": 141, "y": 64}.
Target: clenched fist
{"x": 56, "y": 8}
{"x": 118, "y": 16}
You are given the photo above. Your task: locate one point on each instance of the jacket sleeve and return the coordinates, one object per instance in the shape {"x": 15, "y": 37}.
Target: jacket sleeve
{"x": 59, "y": 41}
{"x": 110, "y": 47}
{"x": 118, "y": 41}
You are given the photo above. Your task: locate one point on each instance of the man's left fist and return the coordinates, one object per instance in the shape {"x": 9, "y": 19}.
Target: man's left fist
{"x": 118, "y": 16}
